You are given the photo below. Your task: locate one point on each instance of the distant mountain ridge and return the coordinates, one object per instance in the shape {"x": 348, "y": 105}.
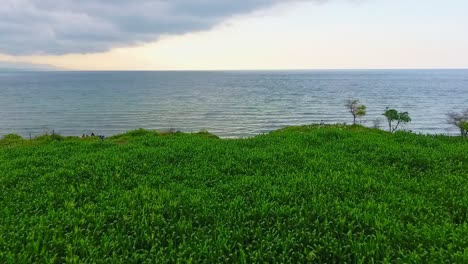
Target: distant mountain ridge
{"x": 23, "y": 66}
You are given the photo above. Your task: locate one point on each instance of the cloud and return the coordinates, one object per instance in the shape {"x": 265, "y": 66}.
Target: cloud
{"x": 70, "y": 26}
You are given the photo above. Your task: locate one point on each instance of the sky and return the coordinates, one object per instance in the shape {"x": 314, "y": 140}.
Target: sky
{"x": 234, "y": 34}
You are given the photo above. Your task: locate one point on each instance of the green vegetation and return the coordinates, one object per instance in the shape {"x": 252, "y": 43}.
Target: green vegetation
{"x": 393, "y": 116}
{"x": 314, "y": 194}
{"x": 460, "y": 120}
{"x": 356, "y": 109}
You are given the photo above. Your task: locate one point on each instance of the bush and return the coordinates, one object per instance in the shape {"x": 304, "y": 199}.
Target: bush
{"x": 12, "y": 137}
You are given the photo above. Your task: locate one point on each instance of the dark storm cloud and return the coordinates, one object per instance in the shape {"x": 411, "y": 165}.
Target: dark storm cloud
{"x": 72, "y": 26}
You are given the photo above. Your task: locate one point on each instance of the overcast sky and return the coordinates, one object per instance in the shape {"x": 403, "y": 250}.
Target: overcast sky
{"x": 235, "y": 34}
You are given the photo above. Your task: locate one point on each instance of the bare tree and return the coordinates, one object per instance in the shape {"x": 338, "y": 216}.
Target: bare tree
{"x": 356, "y": 109}
{"x": 460, "y": 120}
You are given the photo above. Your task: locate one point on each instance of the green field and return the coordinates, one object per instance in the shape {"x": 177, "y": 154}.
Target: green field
{"x": 302, "y": 194}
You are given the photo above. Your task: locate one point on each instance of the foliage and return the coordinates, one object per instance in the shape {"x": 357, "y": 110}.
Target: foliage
{"x": 356, "y": 109}
{"x": 393, "y": 116}
{"x": 311, "y": 194}
{"x": 464, "y": 126}
{"x": 459, "y": 120}
{"x": 12, "y": 137}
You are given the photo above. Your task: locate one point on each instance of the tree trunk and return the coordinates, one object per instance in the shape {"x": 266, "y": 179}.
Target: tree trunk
{"x": 396, "y": 127}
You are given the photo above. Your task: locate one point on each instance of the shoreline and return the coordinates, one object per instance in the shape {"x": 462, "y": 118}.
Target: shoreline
{"x": 205, "y": 132}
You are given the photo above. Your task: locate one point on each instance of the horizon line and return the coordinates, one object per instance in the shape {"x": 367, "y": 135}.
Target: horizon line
{"x": 230, "y": 70}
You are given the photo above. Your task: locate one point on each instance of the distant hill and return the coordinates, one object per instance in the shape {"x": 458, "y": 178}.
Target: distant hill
{"x": 22, "y": 66}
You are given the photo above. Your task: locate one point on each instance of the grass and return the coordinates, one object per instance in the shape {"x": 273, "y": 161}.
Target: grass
{"x": 298, "y": 195}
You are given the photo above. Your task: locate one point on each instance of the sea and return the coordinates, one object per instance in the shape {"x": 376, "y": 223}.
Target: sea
{"x": 229, "y": 104}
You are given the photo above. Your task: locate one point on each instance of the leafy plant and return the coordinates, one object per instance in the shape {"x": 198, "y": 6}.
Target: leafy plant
{"x": 295, "y": 195}
{"x": 356, "y": 109}
{"x": 396, "y": 118}
{"x": 460, "y": 120}
{"x": 12, "y": 137}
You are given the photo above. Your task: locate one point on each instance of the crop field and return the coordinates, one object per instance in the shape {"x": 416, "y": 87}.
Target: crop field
{"x": 299, "y": 195}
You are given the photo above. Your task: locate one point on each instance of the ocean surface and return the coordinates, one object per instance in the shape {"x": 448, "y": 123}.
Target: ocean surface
{"x": 226, "y": 103}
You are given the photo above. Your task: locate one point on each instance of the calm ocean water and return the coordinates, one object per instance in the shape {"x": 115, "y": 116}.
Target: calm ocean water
{"x": 228, "y": 104}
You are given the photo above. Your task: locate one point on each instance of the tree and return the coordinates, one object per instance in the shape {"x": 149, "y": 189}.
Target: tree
{"x": 459, "y": 120}
{"x": 393, "y": 116}
{"x": 464, "y": 126}
{"x": 356, "y": 109}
